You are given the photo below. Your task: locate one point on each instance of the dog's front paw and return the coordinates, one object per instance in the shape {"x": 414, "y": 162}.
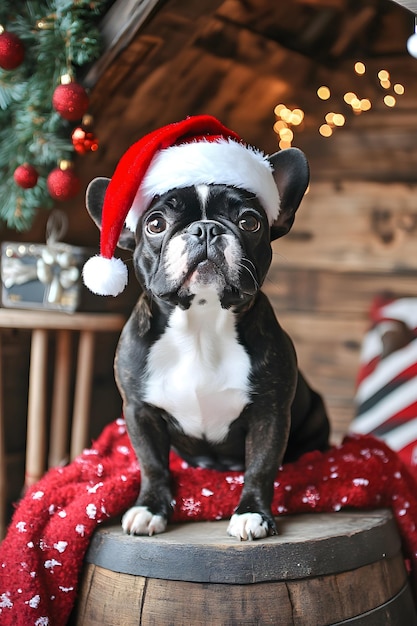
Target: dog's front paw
{"x": 140, "y": 521}
{"x": 248, "y": 526}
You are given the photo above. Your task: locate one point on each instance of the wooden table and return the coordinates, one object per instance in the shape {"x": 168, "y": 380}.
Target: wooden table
{"x": 41, "y": 323}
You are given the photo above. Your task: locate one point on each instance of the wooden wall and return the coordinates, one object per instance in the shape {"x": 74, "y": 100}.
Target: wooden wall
{"x": 350, "y": 242}
{"x": 355, "y": 236}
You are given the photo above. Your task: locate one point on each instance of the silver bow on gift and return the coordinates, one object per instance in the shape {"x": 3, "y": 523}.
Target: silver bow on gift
{"x": 56, "y": 266}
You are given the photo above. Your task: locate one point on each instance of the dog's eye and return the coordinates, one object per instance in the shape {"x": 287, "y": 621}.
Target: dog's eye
{"x": 156, "y": 224}
{"x": 249, "y": 223}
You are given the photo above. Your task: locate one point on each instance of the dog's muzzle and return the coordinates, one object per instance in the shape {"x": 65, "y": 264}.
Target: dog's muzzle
{"x": 213, "y": 256}
{"x": 205, "y": 254}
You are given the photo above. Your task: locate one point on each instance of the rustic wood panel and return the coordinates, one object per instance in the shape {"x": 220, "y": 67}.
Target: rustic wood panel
{"x": 387, "y": 155}
{"x": 328, "y": 354}
{"x": 242, "y": 93}
{"x": 327, "y": 291}
{"x": 354, "y": 226}
{"x": 116, "y": 601}
{"x": 117, "y": 28}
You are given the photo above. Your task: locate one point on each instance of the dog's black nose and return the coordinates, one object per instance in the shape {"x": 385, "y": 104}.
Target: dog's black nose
{"x": 205, "y": 231}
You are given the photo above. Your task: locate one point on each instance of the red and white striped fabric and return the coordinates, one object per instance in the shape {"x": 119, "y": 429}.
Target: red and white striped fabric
{"x": 386, "y": 396}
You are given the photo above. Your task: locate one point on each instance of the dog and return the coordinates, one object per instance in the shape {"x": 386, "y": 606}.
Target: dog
{"x": 202, "y": 364}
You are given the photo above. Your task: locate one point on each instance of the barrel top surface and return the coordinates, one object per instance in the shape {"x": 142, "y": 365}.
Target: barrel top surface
{"x": 307, "y": 545}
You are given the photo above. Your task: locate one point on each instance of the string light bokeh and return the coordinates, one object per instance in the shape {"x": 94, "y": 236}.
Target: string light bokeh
{"x": 288, "y": 120}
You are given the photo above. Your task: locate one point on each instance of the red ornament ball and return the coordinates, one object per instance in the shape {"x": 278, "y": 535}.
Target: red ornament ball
{"x": 63, "y": 184}
{"x": 26, "y": 176}
{"x": 12, "y": 51}
{"x": 70, "y": 101}
{"x": 83, "y": 140}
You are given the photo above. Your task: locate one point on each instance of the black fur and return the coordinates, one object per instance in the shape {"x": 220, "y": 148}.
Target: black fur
{"x": 285, "y": 417}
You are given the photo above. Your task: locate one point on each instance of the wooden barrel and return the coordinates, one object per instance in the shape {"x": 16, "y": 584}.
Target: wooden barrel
{"x": 335, "y": 568}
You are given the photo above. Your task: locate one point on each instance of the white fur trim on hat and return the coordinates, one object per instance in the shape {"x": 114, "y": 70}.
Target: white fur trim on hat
{"x": 105, "y": 277}
{"x": 221, "y": 162}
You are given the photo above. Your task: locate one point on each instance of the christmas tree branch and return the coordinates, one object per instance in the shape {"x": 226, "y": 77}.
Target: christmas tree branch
{"x": 59, "y": 37}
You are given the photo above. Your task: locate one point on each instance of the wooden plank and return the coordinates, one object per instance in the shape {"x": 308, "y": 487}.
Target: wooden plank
{"x": 37, "y": 404}
{"x": 328, "y": 355}
{"x": 327, "y": 348}
{"x": 103, "y": 601}
{"x": 352, "y": 227}
{"x": 326, "y": 291}
{"x": 215, "y": 604}
{"x": 58, "y": 445}
{"x": 97, "y": 322}
{"x": 120, "y": 24}
{"x": 126, "y": 19}
{"x": 340, "y": 412}
{"x": 82, "y": 393}
{"x": 353, "y": 27}
{"x": 346, "y": 157}
{"x": 347, "y": 595}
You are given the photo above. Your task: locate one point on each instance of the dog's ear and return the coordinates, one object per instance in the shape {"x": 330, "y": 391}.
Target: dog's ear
{"x": 292, "y": 175}
{"x": 94, "y": 198}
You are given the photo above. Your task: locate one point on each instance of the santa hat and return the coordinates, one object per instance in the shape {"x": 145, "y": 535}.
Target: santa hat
{"x": 198, "y": 150}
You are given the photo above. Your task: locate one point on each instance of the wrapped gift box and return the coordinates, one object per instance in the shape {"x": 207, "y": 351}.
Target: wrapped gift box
{"x": 42, "y": 276}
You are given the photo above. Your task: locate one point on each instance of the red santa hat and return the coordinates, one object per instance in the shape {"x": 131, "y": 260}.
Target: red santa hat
{"x": 198, "y": 150}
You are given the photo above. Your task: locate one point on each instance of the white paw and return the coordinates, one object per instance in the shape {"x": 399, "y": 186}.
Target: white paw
{"x": 140, "y": 521}
{"x": 247, "y": 526}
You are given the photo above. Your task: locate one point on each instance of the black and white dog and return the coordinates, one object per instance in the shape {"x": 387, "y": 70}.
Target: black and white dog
{"x": 203, "y": 364}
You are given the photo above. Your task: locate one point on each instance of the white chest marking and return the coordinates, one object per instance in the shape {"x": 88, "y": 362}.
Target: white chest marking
{"x": 197, "y": 371}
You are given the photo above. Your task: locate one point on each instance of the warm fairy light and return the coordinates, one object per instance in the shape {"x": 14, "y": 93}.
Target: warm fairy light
{"x": 285, "y": 114}
{"x": 338, "y": 119}
{"x": 286, "y": 134}
{"x": 334, "y": 119}
{"x": 360, "y": 68}
{"x": 297, "y": 117}
{"x": 278, "y": 109}
{"x": 278, "y": 125}
{"x": 383, "y": 75}
{"x": 365, "y": 104}
{"x": 287, "y": 117}
{"x": 323, "y": 92}
{"x": 349, "y": 96}
{"x": 390, "y": 101}
{"x": 325, "y": 130}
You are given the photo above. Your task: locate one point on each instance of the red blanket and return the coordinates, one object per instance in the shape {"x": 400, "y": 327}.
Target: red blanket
{"x": 42, "y": 554}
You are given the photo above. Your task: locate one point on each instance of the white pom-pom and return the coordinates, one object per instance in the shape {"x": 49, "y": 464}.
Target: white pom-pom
{"x": 105, "y": 277}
